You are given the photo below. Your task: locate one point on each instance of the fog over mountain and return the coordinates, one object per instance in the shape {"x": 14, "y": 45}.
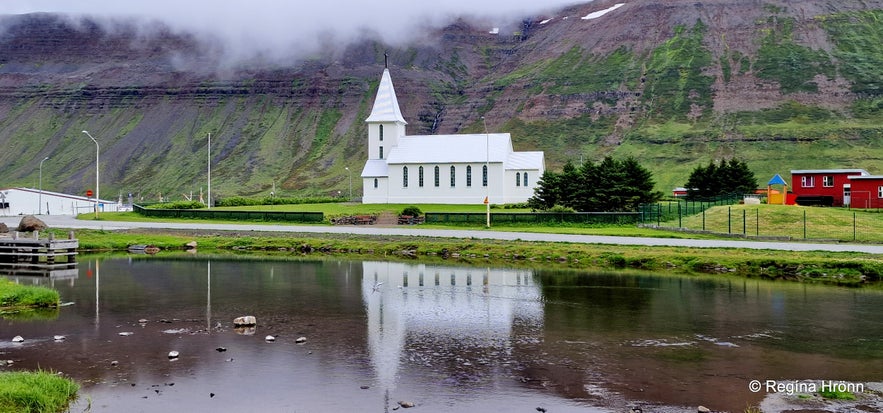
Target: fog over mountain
{"x": 278, "y": 31}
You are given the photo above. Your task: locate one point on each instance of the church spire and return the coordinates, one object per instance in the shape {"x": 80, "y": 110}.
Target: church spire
{"x": 386, "y": 105}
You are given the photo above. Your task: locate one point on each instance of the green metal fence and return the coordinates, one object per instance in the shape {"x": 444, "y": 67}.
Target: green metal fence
{"x": 534, "y": 218}
{"x": 675, "y": 210}
{"x": 279, "y": 216}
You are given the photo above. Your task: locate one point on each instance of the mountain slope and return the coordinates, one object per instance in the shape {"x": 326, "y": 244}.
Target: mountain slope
{"x": 782, "y": 84}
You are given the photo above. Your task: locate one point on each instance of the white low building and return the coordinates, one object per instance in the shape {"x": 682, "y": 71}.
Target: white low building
{"x": 441, "y": 169}
{"x": 28, "y": 201}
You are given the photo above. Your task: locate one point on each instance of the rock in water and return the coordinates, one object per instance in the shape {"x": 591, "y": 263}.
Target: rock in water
{"x": 245, "y": 321}
{"x": 301, "y": 340}
{"x": 173, "y": 354}
{"x": 269, "y": 338}
{"x": 18, "y": 339}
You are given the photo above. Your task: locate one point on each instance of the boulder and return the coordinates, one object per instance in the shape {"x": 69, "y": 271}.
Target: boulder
{"x": 244, "y": 321}
{"x": 3, "y": 228}
{"x": 30, "y": 223}
{"x": 190, "y": 245}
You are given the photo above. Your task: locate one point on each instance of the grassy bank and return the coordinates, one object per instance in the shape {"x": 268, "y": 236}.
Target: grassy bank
{"x": 820, "y": 267}
{"x": 15, "y": 298}
{"x": 36, "y": 392}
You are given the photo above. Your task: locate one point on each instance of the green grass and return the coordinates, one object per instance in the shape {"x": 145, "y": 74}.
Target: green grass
{"x": 790, "y": 221}
{"x": 837, "y": 395}
{"x": 14, "y": 295}
{"x": 816, "y": 267}
{"x": 36, "y": 392}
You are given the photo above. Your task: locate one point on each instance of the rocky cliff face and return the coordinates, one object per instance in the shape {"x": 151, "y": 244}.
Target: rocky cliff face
{"x": 673, "y": 83}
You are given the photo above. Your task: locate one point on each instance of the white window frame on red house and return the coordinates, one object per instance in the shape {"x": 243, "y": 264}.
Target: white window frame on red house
{"x": 808, "y": 181}
{"x": 828, "y": 181}
{"x": 880, "y": 192}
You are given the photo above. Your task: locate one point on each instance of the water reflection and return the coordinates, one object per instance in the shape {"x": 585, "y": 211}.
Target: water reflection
{"x": 448, "y": 338}
{"x": 469, "y": 311}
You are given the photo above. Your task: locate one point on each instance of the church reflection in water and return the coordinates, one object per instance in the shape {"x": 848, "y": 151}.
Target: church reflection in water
{"x": 447, "y": 319}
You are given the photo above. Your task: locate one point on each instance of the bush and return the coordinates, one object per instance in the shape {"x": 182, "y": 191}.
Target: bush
{"x": 412, "y": 211}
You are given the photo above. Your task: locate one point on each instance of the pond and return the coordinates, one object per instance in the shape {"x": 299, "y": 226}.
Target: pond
{"x": 362, "y": 336}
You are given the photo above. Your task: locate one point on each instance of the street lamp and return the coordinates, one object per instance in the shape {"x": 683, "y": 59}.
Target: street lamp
{"x": 40, "y": 197}
{"x": 97, "y": 192}
{"x": 487, "y": 166}
{"x": 350, "y": 176}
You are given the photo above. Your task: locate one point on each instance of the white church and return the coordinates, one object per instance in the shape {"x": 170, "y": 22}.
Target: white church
{"x": 441, "y": 169}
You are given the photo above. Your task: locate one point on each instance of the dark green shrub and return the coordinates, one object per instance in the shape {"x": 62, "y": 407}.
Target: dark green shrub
{"x": 412, "y": 211}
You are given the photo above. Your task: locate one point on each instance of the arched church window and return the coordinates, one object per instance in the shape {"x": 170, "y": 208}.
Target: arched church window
{"x": 517, "y": 178}
{"x": 525, "y": 179}
{"x": 405, "y": 176}
{"x": 420, "y": 176}
{"x": 468, "y": 175}
{"x": 381, "y": 134}
{"x": 436, "y": 176}
{"x": 453, "y": 176}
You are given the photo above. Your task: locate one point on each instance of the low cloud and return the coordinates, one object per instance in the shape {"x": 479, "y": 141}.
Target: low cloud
{"x": 279, "y": 30}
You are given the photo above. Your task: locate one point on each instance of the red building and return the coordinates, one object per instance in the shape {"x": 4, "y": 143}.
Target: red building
{"x": 828, "y": 187}
{"x": 866, "y": 191}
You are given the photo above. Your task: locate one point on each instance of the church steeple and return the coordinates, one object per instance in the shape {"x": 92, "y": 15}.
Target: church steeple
{"x": 386, "y": 123}
{"x": 386, "y": 105}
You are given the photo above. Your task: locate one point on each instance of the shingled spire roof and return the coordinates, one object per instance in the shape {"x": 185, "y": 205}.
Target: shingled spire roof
{"x": 386, "y": 105}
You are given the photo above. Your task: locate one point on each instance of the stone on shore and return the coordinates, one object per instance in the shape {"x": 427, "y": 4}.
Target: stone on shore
{"x": 245, "y": 321}
{"x": 30, "y": 223}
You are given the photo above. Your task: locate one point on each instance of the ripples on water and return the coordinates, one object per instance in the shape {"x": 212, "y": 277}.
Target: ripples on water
{"x": 445, "y": 337}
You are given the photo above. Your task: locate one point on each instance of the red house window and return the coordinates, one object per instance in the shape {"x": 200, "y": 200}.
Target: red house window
{"x": 808, "y": 181}
{"x": 828, "y": 181}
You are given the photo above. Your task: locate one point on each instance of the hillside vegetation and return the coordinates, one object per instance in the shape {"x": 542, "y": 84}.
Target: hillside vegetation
{"x": 781, "y": 85}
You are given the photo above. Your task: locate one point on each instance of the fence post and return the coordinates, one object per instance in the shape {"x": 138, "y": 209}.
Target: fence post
{"x": 743, "y": 222}
{"x": 703, "y": 220}
{"x": 757, "y": 222}
{"x": 679, "y": 215}
{"x": 658, "y": 213}
{"x": 804, "y": 224}
{"x": 729, "y": 220}
{"x": 853, "y": 227}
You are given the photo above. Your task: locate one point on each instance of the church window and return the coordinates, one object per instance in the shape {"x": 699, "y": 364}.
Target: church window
{"x": 517, "y": 178}
{"x": 420, "y": 176}
{"x": 381, "y": 152}
{"x": 405, "y": 176}
{"x": 468, "y": 175}
{"x": 375, "y": 182}
{"x": 525, "y": 179}
{"x": 381, "y": 134}
{"x": 436, "y": 176}
{"x": 453, "y": 176}
{"x": 484, "y": 175}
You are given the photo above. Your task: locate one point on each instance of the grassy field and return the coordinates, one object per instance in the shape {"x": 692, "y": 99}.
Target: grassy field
{"x": 36, "y": 392}
{"x": 794, "y": 222}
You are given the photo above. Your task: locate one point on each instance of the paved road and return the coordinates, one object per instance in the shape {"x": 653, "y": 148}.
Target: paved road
{"x": 58, "y": 221}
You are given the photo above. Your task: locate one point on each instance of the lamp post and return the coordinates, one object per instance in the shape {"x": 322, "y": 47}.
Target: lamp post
{"x": 97, "y": 192}
{"x": 350, "y": 176}
{"x": 209, "y": 162}
{"x": 487, "y": 166}
{"x": 40, "y": 197}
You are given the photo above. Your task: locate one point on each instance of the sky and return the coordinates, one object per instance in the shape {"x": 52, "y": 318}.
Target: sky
{"x": 304, "y": 26}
